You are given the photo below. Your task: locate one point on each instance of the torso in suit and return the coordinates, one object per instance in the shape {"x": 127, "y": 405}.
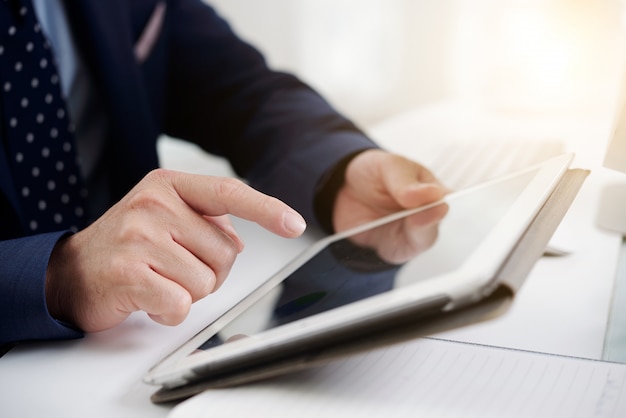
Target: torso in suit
{"x": 174, "y": 67}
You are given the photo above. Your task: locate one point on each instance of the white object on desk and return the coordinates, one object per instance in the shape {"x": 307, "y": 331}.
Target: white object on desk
{"x": 612, "y": 209}
{"x": 612, "y": 213}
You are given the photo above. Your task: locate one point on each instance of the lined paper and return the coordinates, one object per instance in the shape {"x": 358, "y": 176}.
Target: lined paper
{"x": 430, "y": 378}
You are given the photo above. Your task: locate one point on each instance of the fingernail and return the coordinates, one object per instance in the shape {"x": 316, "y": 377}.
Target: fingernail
{"x": 294, "y": 222}
{"x": 232, "y": 233}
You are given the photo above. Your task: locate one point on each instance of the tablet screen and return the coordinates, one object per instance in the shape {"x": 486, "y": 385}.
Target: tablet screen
{"x": 419, "y": 247}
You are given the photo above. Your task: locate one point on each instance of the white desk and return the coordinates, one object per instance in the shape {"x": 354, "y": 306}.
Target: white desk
{"x": 101, "y": 374}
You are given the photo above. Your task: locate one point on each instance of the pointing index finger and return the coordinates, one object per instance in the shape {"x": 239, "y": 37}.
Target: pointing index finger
{"x": 214, "y": 196}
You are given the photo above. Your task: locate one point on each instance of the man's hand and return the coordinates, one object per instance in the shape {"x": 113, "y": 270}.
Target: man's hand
{"x": 165, "y": 245}
{"x": 378, "y": 183}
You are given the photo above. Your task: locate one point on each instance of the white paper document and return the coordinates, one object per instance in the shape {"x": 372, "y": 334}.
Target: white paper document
{"x": 430, "y": 378}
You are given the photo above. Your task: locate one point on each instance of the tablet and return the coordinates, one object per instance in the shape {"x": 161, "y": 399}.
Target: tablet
{"x": 417, "y": 263}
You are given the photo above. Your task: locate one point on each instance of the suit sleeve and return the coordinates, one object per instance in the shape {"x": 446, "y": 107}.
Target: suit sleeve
{"x": 276, "y": 131}
{"x": 23, "y": 311}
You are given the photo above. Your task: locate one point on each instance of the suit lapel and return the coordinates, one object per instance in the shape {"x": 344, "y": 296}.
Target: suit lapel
{"x": 105, "y": 40}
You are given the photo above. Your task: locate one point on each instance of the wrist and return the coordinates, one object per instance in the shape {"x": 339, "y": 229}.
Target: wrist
{"x": 56, "y": 277}
{"x": 327, "y": 190}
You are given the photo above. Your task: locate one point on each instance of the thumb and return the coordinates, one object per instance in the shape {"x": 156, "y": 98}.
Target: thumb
{"x": 412, "y": 185}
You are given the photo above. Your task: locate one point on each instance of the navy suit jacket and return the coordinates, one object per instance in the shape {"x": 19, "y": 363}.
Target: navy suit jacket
{"x": 197, "y": 81}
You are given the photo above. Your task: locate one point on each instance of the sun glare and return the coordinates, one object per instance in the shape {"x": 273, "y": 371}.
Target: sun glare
{"x": 551, "y": 58}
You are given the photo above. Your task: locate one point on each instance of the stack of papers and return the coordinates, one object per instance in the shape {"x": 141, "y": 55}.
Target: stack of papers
{"x": 430, "y": 378}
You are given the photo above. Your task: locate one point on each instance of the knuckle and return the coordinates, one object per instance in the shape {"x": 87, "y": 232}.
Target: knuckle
{"x": 145, "y": 198}
{"x": 226, "y": 255}
{"x": 154, "y": 190}
{"x": 148, "y": 209}
{"x": 160, "y": 175}
{"x": 230, "y": 187}
{"x": 205, "y": 286}
{"x": 269, "y": 205}
{"x": 225, "y": 260}
{"x": 133, "y": 234}
{"x": 179, "y": 307}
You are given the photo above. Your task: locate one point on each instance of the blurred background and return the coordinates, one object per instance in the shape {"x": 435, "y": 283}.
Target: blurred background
{"x": 377, "y": 58}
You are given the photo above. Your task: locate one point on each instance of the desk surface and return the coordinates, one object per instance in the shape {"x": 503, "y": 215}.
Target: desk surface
{"x": 563, "y": 308}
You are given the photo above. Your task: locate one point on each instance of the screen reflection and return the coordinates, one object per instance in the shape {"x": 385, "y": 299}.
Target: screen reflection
{"x": 419, "y": 247}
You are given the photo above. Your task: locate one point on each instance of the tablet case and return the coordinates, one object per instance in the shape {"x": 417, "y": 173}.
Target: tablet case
{"x": 510, "y": 277}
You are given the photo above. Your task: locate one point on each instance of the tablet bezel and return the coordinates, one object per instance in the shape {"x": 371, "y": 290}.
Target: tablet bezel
{"x": 469, "y": 283}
